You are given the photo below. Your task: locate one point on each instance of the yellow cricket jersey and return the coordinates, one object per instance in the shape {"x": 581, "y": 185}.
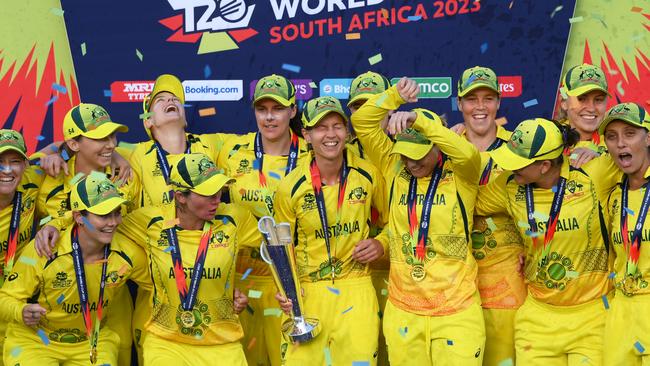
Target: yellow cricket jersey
{"x": 638, "y": 284}
{"x": 296, "y": 204}
{"x": 216, "y": 322}
{"x": 444, "y": 282}
{"x": 147, "y": 170}
{"x": 577, "y": 266}
{"x": 54, "y": 196}
{"x": 54, "y": 284}
{"x": 496, "y": 245}
{"x": 599, "y": 147}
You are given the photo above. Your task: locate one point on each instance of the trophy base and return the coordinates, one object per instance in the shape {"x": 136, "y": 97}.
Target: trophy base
{"x": 303, "y": 331}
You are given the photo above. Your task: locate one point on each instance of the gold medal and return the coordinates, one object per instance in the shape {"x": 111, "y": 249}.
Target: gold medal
{"x": 93, "y": 355}
{"x": 187, "y": 318}
{"x": 629, "y": 285}
{"x": 418, "y": 273}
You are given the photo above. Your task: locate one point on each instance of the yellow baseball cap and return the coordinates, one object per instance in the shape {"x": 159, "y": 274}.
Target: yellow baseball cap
{"x": 533, "y": 140}
{"x": 197, "y": 173}
{"x": 584, "y": 78}
{"x": 412, "y": 144}
{"x": 366, "y": 85}
{"x": 95, "y": 193}
{"x": 316, "y": 109}
{"x": 11, "y": 140}
{"x": 630, "y": 113}
{"x": 89, "y": 120}
{"x": 164, "y": 83}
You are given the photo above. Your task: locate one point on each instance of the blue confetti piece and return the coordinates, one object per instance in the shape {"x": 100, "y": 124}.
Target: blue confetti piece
{"x": 16, "y": 351}
{"x": 168, "y": 249}
{"x": 248, "y": 271}
{"x": 188, "y": 105}
{"x": 612, "y": 275}
{"x": 554, "y": 189}
{"x": 224, "y": 220}
{"x": 629, "y": 212}
{"x": 484, "y": 47}
{"x": 414, "y": 18}
{"x": 530, "y": 103}
{"x": 40, "y": 137}
{"x": 403, "y": 331}
{"x": 470, "y": 80}
{"x": 454, "y": 104}
{"x": 533, "y": 234}
{"x": 639, "y": 347}
{"x": 44, "y": 339}
{"x": 207, "y": 71}
{"x": 227, "y": 286}
{"x": 450, "y": 342}
{"x": 108, "y": 93}
{"x": 60, "y": 88}
{"x": 256, "y": 164}
{"x": 275, "y": 175}
{"x": 346, "y": 310}
{"x": 54, "y": 148}
{"x": 605, "y": 302}
{"x": 54, "y": 99}
{"x": 64, "y": 155}
{"x": 360, "y": 363}
{"x": 290, "y": 67}
{"x": 333, "y": 290}
{"x": 60, "y": 299}
{"x": 38, "y": 171}
{"x": 87, "y": 223}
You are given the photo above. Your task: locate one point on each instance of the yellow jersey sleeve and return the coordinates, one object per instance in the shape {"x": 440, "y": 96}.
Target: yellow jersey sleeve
{"x": 21, "y": 284}
{"x": 134, "y": 226}
{"x": 493, "y": 197}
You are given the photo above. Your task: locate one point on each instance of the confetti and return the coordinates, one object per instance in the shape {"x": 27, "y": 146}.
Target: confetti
{"x": 611, "y": 275}
{"x": 530, "y": 103}
{"x": 573, "y": 156}
{"x": 54, "y": 99}
{"x": 16, "y": 351}
{"x": 272, "y": 312}
{"x": 506, "y": 362}
{"x": 533, "y": 234}
{"x": 28, "y": 260}
{"x": 450, "y": 342}
{"x": 187, "y": 106}
{"x": 454, "y": 104}
{"x": 554, "y": 189}
{"x": 510, "y": 6}
{"x": 576, "y": 20}
{"x": 639, "y": 347}
{"x": 87, "y": 223}
{"x": 207, "y": 71}
{"x": 328, "y": 356}
{"x": 501, "y": 121}
{"x": 605, "y": 302}
{"x": 414, "y": 18}
{"x": 375, "y": 59}
{"x": 170, "y": 223}
{"x": 254, "y": 294}
{"x": 619, "y": 88}
{"x": 76, "y": 178}
{"x": 251, "y": 343}
{"x": 384, "y": 292}
{"x": 122, "y": 270}
{"x": 83, "y": 49}
{"x": 57, "y": 11}
{"x": 403, "y": 331}
{"x": 256, "y": 164}
{"x": 558, "y": 8}
{"x": 313, "y": 85}
{"x": 168, "y": 249}
{"x": 572, "y": 274}
{"x": 351, "y": 36}
{"x": 563, "y": 93}
{"x": 40, "y": 137}
{"x": 636, "y": 9}
{"x": 139, "y": 54}
{"x": 207, "y": 112}
{"x": 60, "y": 88}
{"x": 108, "y": 93}
{"x": 227, "y": 286}
{"x": 333, "y": 290}
{"x": 484, "y": 47}
{"x": 490, "y": 224}
{"x": 248, "y": 271}
{"x": 44, "y": 339}
{"x": 45, "y": 220}
{"x": 629, "y": 212}
{"x": 360, "y": 363}
{"x": 290, "y": 67}
{"x": 346, "y": 310}
{"x": 145, "y": 115}
{"x": 60, "y": 299}
{"x": 275, "y": 175}
{"x": 540, "y": 216}
{"x": 523, "y": 224}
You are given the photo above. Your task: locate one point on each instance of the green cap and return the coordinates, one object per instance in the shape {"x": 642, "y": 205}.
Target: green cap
{"x": 316, "y": 109}
{"x": 412, "y": 144}
{"x": 197, "y": 173}
{"x": 533, "y": 140}
{"x": 95, "y": 193}
{"x": 584, "y": 78}
{"x": 89, "y": 120}
{"x": 275, "y": 87}
{"x": 477, "y": 77}
{"x": 366, "y": 85}
{"x": 630, "y": 113}
{"x": 12, "y": 140}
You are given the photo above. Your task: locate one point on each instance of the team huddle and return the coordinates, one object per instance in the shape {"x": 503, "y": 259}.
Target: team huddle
{"x": 415, "y": 244}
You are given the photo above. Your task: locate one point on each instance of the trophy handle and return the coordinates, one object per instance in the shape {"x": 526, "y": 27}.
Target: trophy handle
{"x": 265, "y": 253}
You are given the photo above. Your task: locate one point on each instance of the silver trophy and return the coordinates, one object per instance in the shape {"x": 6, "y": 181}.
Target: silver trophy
{"x": 277, "y": 251}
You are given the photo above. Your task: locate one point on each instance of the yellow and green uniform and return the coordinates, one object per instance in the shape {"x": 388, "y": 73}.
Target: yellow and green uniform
{"x": 496, "y": 246}
{"x": 262, "y": 334}
{"x": 569, "y": 285}
{"x": 52, "y": 283}
{"x": 626, "y": 325}
{"x": 216, "y": 323}
{"x": 349, "y": 335}
{"x": 442, "y": 286}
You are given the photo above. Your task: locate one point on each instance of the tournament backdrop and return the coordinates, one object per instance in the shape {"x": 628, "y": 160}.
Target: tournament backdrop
{"x": 55, "y": 53}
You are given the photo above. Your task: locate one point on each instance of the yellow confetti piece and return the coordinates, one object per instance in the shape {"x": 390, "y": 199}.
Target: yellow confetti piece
{"x": 351, "y": 36}
{"x": 375, "y": 59}
{"x": 313, "y": 85}
{"x": 83, "y": 49}
{"x": 254, "y": 294}
{"x": 207, "y": 112}
{"x": 122, "y": 270}
{"x": 501, "y": 121}
{"x": 272, "y": 312}
{"x": 45, "y": 220}
{"x": 490, "y": 224}
{"x": 28, "y": 260}
{"x": 572, "y": 274}
{"x": 576, "y": 20}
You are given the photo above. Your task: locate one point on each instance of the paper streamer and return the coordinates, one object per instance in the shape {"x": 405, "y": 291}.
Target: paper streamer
{"x": 254, "y": 294}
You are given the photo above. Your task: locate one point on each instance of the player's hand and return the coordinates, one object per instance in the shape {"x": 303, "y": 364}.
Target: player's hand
{"x": 240, "y": 301}
{"x": 122, "y": 167}
{"x": 522, "y": 265}
{"x": 368, "y": 250}
{"x": 285, "y": 303}
{"x": 408, "y": 89}
{"x": 32, "y": 314}
{"x": 46, "y": 238}
{"x": 399, "y": 121}
{"x": 581, "y": 156}
{"x": 53, "y": 164}
{"x": 458, "y": 128}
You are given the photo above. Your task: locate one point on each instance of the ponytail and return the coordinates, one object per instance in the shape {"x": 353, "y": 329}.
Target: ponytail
{"x": 570, "y": 138}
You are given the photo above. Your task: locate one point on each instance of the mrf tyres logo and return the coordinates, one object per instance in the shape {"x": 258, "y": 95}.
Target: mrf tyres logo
{"x": 195, "y": 90}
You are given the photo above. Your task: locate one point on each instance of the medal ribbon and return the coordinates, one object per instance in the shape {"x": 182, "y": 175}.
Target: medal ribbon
{"x": 316, "y": 184}
{"x": 633, "y": 249}
{"x": 485, "y": 176}
{"x": 12, "y": 240}
{"x": 551, "y": 224}
{"x": 292, "y": 159}
{"x": 595, "y": 138}
{"x": 161, "y": 154}
{"x": 82, "y": 288}
{"x": 423, "y": 225}
{"x": 189, "y": 298}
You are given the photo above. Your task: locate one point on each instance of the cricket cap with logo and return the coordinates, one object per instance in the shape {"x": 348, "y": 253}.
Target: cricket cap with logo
{"x": 477, "y": 77}
{"x": 275, "y": 87}
{"x": 533, "y": 140}
{"x": 164, "y": 83}
{"x": 316, "y": 109}
{"x": 11, "y": 140}
{"x": 91, "y": 121}
{"x": 96, "y": 194}
{"x": 583, "y": 79}
{"x": 366, "y": 85}
{"x": 197, "y": 173}
{"x": 630, "y": 113}
{"x": 412, "y": 144}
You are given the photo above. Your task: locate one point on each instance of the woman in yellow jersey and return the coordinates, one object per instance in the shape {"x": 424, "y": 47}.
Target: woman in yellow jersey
{"x": 327, "y": 201}
{"x": 58, "y": 307}
{"x": 558, "y": 213}
{"x": 584, "y": 103}
{"x": 258, "y": 161}
{"x": 433, "y": 314}
{"x": 496, "y": 243}
{"x": 19, "y": 184}
{"x": 192, "y": 244}
{"x": 626, "y": 131}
